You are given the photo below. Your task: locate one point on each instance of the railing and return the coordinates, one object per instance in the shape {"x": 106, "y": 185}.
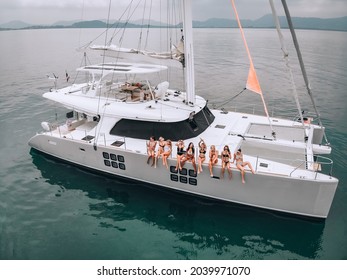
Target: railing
{"x": 299, "y": 164}
{"x": 317, "y": 164}
{"x": 258, "y": 109}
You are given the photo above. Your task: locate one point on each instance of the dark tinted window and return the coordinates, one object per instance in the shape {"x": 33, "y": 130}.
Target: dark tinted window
{"x": 188, "y": 128}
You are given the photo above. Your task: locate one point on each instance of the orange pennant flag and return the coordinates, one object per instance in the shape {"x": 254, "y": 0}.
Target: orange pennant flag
{"x": 252, "y": 81}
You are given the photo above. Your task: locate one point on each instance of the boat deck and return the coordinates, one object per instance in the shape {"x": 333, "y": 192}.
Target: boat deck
{"x": 221, "y": 132}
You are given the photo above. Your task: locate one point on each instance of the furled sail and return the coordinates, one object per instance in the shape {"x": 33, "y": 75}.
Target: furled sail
{"x": 174, "y": 58}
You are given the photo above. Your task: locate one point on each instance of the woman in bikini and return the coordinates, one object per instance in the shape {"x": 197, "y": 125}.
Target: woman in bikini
{"x": 180, "y": 154}
{"x": 151, "y": 145}
{"x": 167, "y": 152}
{"x": 240, "y": 164}
{"x": 213, "y": 158}
{"x": 190, "y": 156}
{"x": 160, "y": 150}
{"x": 202, "y": 156}
{"x": 226, "y": 156}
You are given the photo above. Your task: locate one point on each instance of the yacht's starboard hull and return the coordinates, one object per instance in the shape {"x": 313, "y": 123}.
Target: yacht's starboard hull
{"x": 310, "y": 197}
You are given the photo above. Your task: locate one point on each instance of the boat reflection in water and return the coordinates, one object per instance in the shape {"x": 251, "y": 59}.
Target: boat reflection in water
{"x": 180, "y": 226}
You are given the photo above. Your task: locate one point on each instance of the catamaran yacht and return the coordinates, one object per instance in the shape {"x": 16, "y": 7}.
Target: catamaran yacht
{"x": 111, "y": 117}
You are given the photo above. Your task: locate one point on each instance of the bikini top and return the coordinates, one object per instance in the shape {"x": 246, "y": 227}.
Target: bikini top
{"x": 238, "y": 157}
{"x": 190, "y": 151}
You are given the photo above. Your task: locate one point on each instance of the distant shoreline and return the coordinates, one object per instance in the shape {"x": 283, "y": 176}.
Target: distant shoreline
{"x": 64, "y": 27}
{"x": 330, "y": 24}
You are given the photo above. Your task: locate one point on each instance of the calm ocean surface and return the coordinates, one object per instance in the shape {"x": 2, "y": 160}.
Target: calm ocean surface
{"x": 51, "y": 210}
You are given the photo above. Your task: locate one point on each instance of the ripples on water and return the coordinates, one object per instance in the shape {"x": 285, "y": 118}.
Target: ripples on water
{"x": 51, "y": 210}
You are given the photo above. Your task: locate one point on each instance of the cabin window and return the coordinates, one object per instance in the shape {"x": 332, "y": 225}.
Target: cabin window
{"x": 183, "y": 179}
{"x": 105, "y": 155}
{"x": 69, "y": 115}
{"x": 189, "y": 128}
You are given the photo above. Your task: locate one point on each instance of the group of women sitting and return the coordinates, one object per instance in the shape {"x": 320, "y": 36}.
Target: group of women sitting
{"x": 184, "y": 155}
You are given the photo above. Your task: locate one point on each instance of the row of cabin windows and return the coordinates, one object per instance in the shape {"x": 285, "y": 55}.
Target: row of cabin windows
{"x": 189, "y": 128}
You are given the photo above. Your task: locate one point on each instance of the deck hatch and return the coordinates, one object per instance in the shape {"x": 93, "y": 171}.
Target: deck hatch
{"x": 117, "y": 143}
{"x": 220, "y": 126}
{"x": 88, "y": 138}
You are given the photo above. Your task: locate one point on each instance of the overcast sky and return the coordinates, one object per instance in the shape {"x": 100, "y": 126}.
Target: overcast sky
{"x": 51, "y": 11}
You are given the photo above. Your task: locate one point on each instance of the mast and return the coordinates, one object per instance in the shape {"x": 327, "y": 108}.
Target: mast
{"x": 188, "y": 51}
{"x": 301, "y": 62}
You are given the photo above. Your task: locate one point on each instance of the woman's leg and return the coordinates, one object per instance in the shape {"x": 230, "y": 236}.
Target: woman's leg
{"x": 229, "y": 170}
{"x": 178, "y": 164}
{"x": 241, "y": 168}
{"x": 249, "y": 165}
{"x": 210, "y": 165}
{"x": 200, "y": 161}
{"x": 222, "y": 170}
{"x": 194, "y": 165}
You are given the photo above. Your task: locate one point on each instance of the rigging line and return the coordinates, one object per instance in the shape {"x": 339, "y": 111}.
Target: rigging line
{"x": 302, "y": 65}
{"x": 148, "y": 25}
{"x": 128, "y": 19}
{"x": 82, "y": 17}
{"x": 286, "y": 59}
{"x": 96, "y": 136}
{"x": 143, "y": 19}
{"x": 252, "y": 81}
{"x": 114, "y": 25}
{"x": 230, "y": 99}
{"x": 84, "y": 58}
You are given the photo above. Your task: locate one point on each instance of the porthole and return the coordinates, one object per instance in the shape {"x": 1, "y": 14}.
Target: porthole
{"x": 192, "y": 173}
{"x": 193, "y": 181}
{"x": 121, "y": 166}
{"x": 174, "y": 177}
{"x": 183, "y": 179}
{"x": 114, "y": 164}
{"x": 113, "y": 156}
{"x": 107, "y": 162}
{"x": 173, "y": 169}
{"x": 183, "y": 171}
{"x": 105, "y": 155}
{"x": 120, "y": 158}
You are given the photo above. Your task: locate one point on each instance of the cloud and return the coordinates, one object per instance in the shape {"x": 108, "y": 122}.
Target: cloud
{"x": 53, "y": 4}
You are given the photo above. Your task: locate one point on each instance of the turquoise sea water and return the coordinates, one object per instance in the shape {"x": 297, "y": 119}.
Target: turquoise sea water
{"x": 52, "y": 210}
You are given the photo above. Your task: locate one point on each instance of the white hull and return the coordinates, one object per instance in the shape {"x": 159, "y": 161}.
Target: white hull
{"x": 308, "y": 197}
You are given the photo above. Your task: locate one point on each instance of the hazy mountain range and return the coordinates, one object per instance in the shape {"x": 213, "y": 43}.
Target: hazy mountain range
{"x": 337, "y": 24}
